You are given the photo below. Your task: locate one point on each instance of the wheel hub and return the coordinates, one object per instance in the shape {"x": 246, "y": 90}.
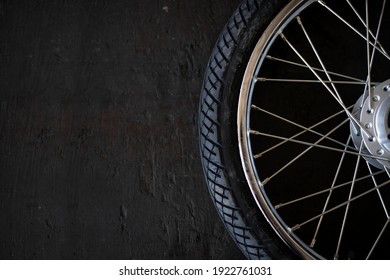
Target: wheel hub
{"x": 374, "y": 116}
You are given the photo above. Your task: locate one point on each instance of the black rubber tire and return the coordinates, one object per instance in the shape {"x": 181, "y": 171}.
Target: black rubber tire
{"x": 218, "y": 132}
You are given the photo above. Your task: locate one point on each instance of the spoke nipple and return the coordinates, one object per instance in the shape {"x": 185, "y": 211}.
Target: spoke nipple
{"x": 299, "y": 20}
{"x": 258, "y": 156}
{"x": 283, "y": 37}
{"x": 294, "y": 228}
{"x": 278, "y": 206}
{"x": 313, "y": 242}
{"x": 265, "y": 181}
{"x": 270, "y": 57}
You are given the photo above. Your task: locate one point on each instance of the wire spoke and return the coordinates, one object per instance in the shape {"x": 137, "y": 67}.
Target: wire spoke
{"x": 364, "y": 23}
{"x": 378, "y": 238}
{"x": 297, "y": 226}
{"x": 379, "y": 192}
{"x": 316, "y": 69}
{"x": 336, "y": 256}
{"x": 263, "y": 79}
{"x": 353, "y": 28}
{"x": 305, "y": 129}
{"x": 255, "y": 132}
{"x": 368, "y": 87}
{"x": 371, "y": 60}
{"x": 303, "y": 153}
{"x": 330, "y": 194}
{"x": 299, "y": 20}
{"x": 363, "y": 129}
{"x": 337, "y": 98}
{"x": 280, "y": 205}
{"x": 258, "y": 155}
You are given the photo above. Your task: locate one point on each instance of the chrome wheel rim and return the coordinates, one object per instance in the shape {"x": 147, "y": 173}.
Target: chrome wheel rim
{"x": 314, "y": 100}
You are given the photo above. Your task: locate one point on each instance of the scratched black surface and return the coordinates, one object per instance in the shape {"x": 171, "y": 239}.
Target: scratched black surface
{"x": 98, "y": 130}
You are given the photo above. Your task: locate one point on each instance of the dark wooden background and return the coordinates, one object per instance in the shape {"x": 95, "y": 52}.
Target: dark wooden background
{"x": 98, "y": 130}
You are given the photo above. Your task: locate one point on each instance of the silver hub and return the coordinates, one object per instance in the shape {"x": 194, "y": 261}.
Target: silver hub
{"x": 374, "y": 117}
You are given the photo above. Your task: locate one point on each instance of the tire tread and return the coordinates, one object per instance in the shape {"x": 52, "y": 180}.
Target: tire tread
{"x": 210, "y": 146}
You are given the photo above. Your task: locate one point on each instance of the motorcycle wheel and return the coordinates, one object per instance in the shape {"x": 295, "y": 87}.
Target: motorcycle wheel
{"x": 294, "y": 128}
